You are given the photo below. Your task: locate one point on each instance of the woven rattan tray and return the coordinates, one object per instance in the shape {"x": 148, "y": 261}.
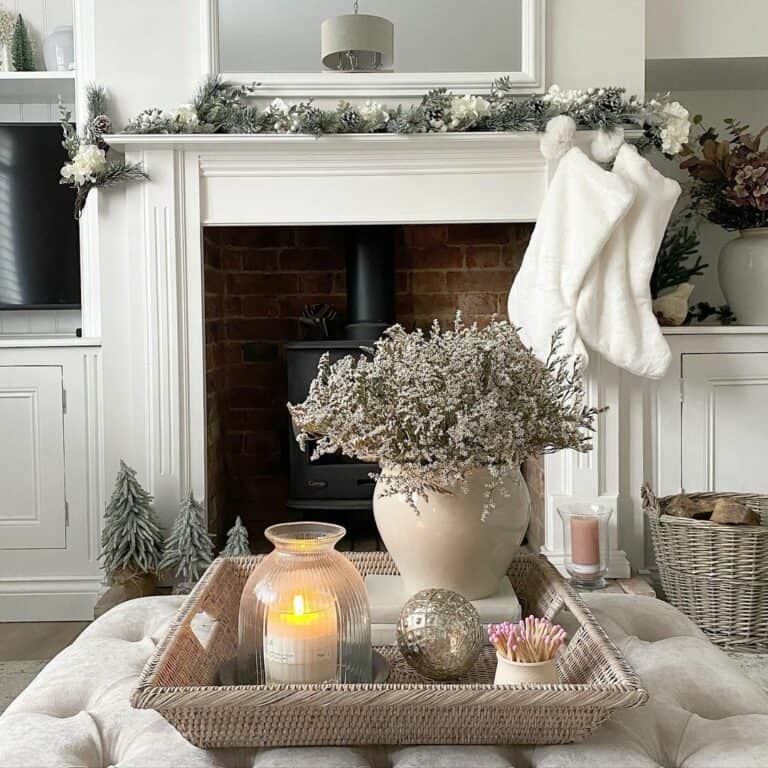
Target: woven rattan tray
{"x": 178, "y": 681}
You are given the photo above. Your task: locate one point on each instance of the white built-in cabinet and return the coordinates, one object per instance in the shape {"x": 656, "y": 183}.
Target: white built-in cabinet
{"x": 51, "y": 462}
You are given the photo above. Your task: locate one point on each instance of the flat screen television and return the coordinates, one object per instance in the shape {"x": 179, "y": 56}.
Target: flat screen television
{"x": 39, "y": 244}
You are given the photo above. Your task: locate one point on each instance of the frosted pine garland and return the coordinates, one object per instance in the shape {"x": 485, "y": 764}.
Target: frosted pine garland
{"x": 131, "y": 540}
{"x": 189, "y": 548}
{"x": 438, "y": 405}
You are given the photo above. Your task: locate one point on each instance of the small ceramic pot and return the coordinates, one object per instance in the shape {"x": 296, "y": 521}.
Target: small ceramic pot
{"x": 514, "y": 672}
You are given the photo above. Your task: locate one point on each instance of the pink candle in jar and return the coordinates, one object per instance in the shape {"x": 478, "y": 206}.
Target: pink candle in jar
{"x": 585, "y": 544}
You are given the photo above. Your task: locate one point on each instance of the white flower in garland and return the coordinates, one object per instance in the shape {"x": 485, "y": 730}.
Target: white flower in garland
{"x": 676, "y": 128}
{"x": 186, "y": 116}
{"x": 85, "y": 165}
{"x": 558, "y": 137}
{"x": 467, "y": 110}
{"x": 374, "y": 113}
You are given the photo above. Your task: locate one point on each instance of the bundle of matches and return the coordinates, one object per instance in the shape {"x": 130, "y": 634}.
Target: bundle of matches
{"x": 527, "y": 642}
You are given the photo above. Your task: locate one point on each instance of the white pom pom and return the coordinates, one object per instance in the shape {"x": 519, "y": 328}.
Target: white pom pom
{"x": 558, "y": 137}
{"x": 606, "y": 145}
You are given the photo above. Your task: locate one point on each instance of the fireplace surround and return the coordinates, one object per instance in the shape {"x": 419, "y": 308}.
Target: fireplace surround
{"x": 199, "y": 182}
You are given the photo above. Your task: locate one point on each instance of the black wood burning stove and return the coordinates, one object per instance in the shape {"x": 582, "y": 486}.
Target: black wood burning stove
{"x": 335, "y": 482}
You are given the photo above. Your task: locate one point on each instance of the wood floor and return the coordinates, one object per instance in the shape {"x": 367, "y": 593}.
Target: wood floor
{"x": 24, "y": 641}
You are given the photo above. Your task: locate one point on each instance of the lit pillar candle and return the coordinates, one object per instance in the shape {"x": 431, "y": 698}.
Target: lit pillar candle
{"x": 301, "y": 641}
{"x": 585, "y": 544}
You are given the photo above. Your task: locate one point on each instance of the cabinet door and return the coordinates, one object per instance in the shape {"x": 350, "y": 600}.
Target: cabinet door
{"x": 32, "y": 493}
{"x": 725, "y": 422}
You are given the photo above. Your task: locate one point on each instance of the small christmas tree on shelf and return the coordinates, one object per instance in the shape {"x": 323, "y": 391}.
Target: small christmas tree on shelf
{"x": 22, "y": 53}
{"x": 237, "y": 541}
{"x": 189, "y": 548}
{"x": 131, "y": 541}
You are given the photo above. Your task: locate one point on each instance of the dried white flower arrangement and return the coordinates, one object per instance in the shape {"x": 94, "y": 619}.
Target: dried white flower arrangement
{"x": 434, "y": 406}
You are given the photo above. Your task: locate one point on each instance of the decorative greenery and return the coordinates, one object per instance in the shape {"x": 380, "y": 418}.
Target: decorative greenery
{"x": 221, "y": 107}
{"x": 237, "y": 541}
{"x": 7, "y": 26}
{"x": 729, "y": 175}
{"x": 90, "y": 165}
{"x": 22, "y": 52}
{"x": 436, "y": 406}
{"x": 672, "y": 267}
{"x": 189, "y": 548}
{"x": 131, "y": 541}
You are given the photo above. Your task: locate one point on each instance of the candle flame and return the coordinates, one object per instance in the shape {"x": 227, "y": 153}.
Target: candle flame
{"x": 298, "y": 605}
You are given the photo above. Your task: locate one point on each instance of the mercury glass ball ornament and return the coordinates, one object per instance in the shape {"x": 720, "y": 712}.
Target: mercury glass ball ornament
{"x": 439, "y": 634}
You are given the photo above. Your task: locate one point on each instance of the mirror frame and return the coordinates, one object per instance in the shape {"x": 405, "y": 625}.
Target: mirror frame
{"x": 342, "y": 85}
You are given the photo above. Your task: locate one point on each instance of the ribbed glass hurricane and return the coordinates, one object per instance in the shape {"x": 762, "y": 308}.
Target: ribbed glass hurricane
{"x": 304, "y": 614}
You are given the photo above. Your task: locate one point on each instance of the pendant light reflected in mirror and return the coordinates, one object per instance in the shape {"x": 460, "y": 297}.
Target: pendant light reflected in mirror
{"x": 357, "y": 42}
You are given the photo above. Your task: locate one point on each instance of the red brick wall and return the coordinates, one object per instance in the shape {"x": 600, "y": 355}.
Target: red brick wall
{"x": 257, "y": 282}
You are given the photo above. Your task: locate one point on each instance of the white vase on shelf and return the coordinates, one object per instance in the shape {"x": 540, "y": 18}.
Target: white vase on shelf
{"x": 445, "y": 543}
{"x": 59, "y": 50}
{"x": 6, "y": 65}
{"x": 743, "y": 273}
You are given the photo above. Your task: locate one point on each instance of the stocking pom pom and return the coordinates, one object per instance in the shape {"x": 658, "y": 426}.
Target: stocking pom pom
{"x": 606, "y": 145}
{"x": 558, "y": 136}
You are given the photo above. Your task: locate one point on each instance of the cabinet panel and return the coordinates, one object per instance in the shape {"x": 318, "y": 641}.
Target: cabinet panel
{"x": 725, "y": 422}
{"x": 33, "y": 507}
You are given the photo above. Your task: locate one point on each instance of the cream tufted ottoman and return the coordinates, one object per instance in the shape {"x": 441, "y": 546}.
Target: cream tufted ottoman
{"x": 703, "y": 712}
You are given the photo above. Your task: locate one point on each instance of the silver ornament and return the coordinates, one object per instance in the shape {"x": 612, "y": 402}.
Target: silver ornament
{"x": 439, "y": 634}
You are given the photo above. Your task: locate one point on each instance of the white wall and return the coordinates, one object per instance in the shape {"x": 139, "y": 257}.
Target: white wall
{"x": 701, "y": 29}
{"x": 596, "y": 42}
{"x": 748, "y": 106}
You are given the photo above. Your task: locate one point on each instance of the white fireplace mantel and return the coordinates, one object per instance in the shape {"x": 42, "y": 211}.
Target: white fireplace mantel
{"x": 204, "y": 180}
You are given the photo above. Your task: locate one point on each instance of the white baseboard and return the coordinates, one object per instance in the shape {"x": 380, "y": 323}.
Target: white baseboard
{"x": 43, "y": 599}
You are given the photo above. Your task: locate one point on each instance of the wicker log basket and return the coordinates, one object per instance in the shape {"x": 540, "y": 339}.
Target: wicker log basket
{"x": 180, "y": 680}
{"x": 717, "y": 575}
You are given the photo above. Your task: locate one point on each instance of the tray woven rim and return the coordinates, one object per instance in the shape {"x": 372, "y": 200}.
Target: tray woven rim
{"x": 626, "y": 694}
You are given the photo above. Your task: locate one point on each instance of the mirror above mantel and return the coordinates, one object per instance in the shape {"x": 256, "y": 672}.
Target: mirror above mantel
{"x": 462, "y": 45}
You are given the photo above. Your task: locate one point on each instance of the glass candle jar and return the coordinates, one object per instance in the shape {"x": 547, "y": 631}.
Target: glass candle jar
{"x": 304, "y": 614}
{"x": 585, "y": 534}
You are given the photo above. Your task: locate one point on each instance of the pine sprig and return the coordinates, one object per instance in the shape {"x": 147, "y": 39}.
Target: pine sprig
{"x": 672, "y": 266}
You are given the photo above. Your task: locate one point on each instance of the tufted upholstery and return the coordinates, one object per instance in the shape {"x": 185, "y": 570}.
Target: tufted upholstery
{"x": 703, "y": 713}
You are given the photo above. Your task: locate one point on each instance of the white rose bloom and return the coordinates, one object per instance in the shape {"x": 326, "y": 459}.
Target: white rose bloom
{"x": 468, "y": 108}
{"x": 89, "y": 161}
{"x": 676, "y": 128}
{"x": 186, "y": 114}
{"x": 279, "y": 106}
{"x": 372, "y": 112}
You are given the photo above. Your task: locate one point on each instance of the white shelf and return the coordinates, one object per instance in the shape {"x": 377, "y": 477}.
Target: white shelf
{"x": 37, "y": 87}
{"x": 36, "y": 342}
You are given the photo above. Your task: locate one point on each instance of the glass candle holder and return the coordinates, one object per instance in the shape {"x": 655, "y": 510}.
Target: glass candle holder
{"x": 304, "y": 615}
{"x": 585, "y": 533}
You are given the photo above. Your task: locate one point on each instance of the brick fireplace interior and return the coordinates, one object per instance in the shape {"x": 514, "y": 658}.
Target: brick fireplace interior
{"x": 257, "y": 282}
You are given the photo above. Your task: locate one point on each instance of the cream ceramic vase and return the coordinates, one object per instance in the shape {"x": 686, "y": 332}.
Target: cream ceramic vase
{"x": 743, "y": 273}
{"x": 515, "y": 672}
{"x": 446, "y": 543}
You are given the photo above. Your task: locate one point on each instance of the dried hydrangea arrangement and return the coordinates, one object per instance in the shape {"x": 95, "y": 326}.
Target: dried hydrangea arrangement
{"x": 434, "y": 406}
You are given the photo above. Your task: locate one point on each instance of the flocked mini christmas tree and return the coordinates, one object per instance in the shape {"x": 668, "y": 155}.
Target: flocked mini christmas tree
{"x": 189, "y": 548}
{"x": 237, "y": 541}
{"x": 22, "y": 53}
{"x": 131, "y": 540}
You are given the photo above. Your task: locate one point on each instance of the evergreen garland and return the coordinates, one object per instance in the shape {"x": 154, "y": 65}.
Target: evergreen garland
{"x": 221, "y": 107}
{"x": 189, "y": 547}
{"x": 131, "y": 540}
{"x": 237, "y": 541}
{"x": 22, "y": 53}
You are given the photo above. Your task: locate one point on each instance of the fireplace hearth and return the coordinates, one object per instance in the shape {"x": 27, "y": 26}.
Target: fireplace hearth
{"x": 258, "y": 281}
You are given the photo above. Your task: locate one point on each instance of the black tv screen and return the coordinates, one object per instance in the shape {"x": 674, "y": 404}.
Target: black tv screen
{"x": 39, "y": 244}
